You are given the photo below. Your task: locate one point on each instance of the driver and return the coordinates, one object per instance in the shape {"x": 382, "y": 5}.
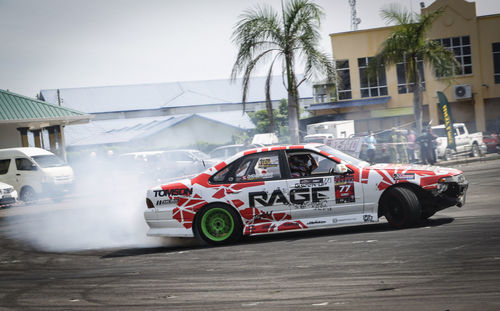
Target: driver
{"x": 299, "y": 165}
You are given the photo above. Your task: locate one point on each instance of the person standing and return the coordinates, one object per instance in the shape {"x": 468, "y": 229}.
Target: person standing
{"x": 393, "y": 152}
{"x": 370, "y": 142}
{"x": 401, "y": 147}
{"x": 410, "y": 148}
{"x": 427, "y": 148}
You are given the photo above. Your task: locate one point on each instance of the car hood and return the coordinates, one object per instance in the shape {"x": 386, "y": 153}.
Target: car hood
{"x": 416, "y": 168}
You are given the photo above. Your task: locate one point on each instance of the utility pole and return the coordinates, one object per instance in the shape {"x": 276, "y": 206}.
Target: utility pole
{"x": 355, "y": 21}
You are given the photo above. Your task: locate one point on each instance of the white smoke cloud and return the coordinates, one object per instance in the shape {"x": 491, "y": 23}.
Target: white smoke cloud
{"x": 105, "y": 211}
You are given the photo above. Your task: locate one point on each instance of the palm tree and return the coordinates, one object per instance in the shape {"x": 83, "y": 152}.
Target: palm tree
{"x": 292, "y": 38}
{"x": 408, "y": 44}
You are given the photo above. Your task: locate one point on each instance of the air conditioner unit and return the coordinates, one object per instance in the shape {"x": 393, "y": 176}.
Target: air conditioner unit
{"x": 463, "y": 91}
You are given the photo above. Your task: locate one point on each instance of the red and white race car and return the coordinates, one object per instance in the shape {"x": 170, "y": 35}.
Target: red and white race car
{"x": 282, "y": 188}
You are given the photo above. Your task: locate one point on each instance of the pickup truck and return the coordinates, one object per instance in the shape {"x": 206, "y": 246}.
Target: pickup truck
{"x": 466, "y": 143}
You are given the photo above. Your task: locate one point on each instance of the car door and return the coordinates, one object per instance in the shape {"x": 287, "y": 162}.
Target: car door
{"x": 256, "y": 182}
{"x": 461, "y": 140}
{"x": 322, "y": 192}
{"x": 27, "y": 174}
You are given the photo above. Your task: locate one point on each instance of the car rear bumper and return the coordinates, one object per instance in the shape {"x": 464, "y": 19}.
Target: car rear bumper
{"x": 165, "y": 227}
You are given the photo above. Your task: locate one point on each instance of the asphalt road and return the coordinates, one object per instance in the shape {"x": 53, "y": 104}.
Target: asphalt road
{"x": 451, "y": 262}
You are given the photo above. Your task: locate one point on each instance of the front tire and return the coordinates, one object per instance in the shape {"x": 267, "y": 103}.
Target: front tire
{"x": 401, "y": 207}
{"x": 218, "y": 225}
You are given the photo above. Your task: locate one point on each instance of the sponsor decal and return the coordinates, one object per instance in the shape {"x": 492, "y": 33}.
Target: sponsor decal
{"x": 322, "y": 205}
{"x": 266, "y": 163}
{"x": 172, "y": 192}
{"x": 316, "y": 222}
{"x": 405, "y": 176}
{"x": 166, "y": 202}
{"x": 344, "y": 189}
{"x": 314, "y": 182}
{"x": 297, "y": 196}
{"x": 257, "y": 176}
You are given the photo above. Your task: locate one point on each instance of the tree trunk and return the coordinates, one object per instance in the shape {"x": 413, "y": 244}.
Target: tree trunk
{"x": 293, "y": 120}
{"x": 269, "y": 108}
{"x": 417, "y": 103}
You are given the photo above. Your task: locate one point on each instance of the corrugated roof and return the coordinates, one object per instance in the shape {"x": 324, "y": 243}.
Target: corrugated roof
{"x": 14, "y": 107}
{"x": 168, "y": 95}
{"x": 124, "y": 130}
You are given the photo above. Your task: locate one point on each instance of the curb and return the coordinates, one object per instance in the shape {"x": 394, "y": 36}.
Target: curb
{"x": 487, "y": 157}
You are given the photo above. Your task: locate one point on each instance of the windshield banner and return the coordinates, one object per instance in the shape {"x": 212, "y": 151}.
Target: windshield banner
{"x": 351, "y": 146}
{"x": 448, "y": 120}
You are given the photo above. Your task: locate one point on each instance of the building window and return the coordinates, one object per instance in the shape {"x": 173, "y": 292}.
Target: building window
{"x": 405, "y": 86}
{"x": 460, "y": 46}
{"x": 322, "y": 93}
{"x": 371, "y": 87}
{"x": 496, "y": 61}
{"x": 344, "y": 83}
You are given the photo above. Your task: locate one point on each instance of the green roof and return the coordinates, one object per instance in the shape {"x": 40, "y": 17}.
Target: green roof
{"x": 17, "y": 107}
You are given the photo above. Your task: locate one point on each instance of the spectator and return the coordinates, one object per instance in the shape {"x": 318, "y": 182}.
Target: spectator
{"x": 370, "y": 142}
{"x": 401, "y": 147}
{"x": 410, "y": 138}
{"x": 393, "y": 152}
{"x": 427, "y": 146}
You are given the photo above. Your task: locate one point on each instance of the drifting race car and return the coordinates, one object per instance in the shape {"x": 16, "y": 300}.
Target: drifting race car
{"x": 275, "y": 189}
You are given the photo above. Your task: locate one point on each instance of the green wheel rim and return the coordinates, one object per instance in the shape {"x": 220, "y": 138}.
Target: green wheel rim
{"x": 217, "y": 224}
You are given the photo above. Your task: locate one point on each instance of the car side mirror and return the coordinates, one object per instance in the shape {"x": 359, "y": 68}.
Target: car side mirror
{"x": 33, "y": 167}
{"x": 341, "y": 169}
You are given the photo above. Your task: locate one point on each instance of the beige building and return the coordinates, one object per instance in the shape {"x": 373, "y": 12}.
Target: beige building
{"x": 474, "y": 94}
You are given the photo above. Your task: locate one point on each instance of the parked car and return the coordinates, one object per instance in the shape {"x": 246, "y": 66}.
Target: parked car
{"x": 257, "y": 191}
{"x": 187, "y": 161}
{"x": 35, "y": 172}
{"x": 466, "y": 143}
{"x": 8, "y": 195}
{"x": 492, "y": 142}
{"x": 225, "y": 152}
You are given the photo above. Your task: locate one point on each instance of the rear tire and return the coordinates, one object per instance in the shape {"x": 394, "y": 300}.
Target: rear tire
{"x": 28, "y": 194}
{"x": 448, "y": 155}
{"x": 401, "y": 207}
{"x": 218, "y": 225}
{"x": 475, "y": 151}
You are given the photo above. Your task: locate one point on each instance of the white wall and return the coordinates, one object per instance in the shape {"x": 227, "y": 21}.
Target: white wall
{"x": 193, "y": 131}
{"x": 10, "y": 137}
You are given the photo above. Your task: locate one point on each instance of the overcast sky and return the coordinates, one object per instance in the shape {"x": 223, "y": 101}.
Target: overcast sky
{"x": 49, "y": 44}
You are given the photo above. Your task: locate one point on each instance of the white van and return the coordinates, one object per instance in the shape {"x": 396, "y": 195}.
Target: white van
{"x": 35, "y": 172}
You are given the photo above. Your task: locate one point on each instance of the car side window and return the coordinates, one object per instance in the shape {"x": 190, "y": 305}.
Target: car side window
{"x": 258, "y": 167}
{"x": 24, "y": 164}
{"x": 4, "y": 166}
{"x": 221, "y": 175}
{"x": 307, "y": 163}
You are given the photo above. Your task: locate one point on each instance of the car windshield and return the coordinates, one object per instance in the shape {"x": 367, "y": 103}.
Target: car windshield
{"x": 439, "y": 132}
{"x": 48, "y": 160}
{"x": 343, "y": 156}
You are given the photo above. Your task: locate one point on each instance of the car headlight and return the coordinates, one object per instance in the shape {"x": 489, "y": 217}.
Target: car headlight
{"x": 444, "y": 181}
{"x": 452, "y": 179}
